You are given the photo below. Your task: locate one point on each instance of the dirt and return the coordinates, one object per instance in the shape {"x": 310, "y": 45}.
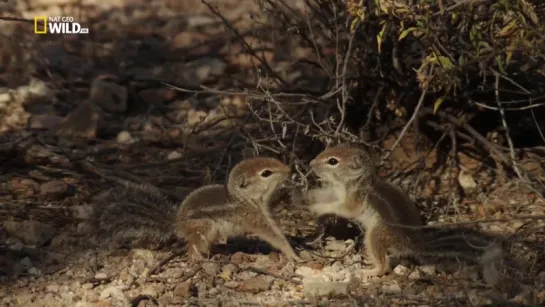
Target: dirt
{"x": 80, "y": 113}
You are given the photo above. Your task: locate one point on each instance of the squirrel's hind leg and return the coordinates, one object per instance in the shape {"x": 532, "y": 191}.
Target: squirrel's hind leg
{"x": 386, "y": 247}
{"x": 377, "y": 242}
{"x": 199, "y": 235}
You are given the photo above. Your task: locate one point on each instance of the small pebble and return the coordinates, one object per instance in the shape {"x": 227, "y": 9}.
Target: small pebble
{"x": 173, "y": 155}
{"x": 124, "y": 137}
{"x": 53, "y": 288}
{"x": 101, "y": 275}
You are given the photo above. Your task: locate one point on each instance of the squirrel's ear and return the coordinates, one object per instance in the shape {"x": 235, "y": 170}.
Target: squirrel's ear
{"x": 356, "y": 162}
{"x": 241, "y": 182}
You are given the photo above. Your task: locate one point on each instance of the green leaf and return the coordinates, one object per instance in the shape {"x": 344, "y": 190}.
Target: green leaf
{"x": 437, "y": 104}
{"x": 501, "y": 66}
{"x": 508, "y": 29}
{"x": 406, "y": 32}
{"x": 380, "y": 36}
{"x": 461, "y": 60}
{"x": 444, "y": 61}
{"x": 509, "y": 54}
{"x": 354, "y": 24}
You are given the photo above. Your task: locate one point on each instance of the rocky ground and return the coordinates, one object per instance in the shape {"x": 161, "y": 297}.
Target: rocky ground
{"x": 79, "y": 123}
{"x": 46, "y": 265}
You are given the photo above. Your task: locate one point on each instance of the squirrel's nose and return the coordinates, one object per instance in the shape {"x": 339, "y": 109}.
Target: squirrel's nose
{"x": 313, "y": 163}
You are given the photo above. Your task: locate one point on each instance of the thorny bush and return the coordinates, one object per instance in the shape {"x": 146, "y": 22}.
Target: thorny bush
{"x": 473, "y": 67}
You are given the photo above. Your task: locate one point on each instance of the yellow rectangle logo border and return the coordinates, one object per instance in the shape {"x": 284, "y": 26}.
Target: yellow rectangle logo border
{"x": 40, "y": 18}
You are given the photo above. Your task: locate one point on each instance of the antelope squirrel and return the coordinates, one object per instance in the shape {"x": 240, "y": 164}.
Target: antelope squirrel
{"x": 354, "y": 191}
{"x": 208, "y": 215}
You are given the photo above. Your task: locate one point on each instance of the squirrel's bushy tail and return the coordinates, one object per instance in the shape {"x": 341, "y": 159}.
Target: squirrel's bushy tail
{"x": 460, "y": 242}
{"x": 485, "y": 249}
{"x": 134, "y": 213}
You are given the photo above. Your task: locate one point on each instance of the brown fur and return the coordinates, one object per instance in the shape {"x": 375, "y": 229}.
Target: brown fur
{"x": 216, "y": 212}
{"x": 134, "y": 213}
{"x": 208, "y": 215}
{"x": 354, "y": 191}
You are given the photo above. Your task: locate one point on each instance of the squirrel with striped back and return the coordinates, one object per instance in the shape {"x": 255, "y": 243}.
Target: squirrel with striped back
{"x": 352, "y": 189}
{"x": 208, "y": 215}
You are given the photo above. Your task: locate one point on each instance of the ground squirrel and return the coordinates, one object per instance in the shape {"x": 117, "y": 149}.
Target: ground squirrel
{"x": 208, "y": 215}
{"x": 354, "y": 191}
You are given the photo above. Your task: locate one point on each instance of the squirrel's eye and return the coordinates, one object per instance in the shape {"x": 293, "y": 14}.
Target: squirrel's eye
{"x": 332, "y": 161}
{"x": 266, "y": 173}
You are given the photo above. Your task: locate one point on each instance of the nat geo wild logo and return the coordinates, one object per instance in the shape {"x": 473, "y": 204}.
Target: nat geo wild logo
{"x": 58, "y": 25}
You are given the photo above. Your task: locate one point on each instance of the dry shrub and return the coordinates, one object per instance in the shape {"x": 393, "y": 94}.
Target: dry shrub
{"x": 466, "y": 68}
